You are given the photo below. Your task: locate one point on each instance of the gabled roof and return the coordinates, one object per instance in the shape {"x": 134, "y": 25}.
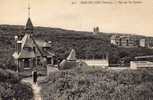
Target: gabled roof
{"x": 27, "y": 41}
{"x": 42, "y": 43}
{"x": 27, "y": 54}
{"x": 37, "y": 47}
{"x": 24, "y": 54}
{"x": 29, "y": 25}
{"x": 47, "y": 53}
{"x": 72, "y": 55}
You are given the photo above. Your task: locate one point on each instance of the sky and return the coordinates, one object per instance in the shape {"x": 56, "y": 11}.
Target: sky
{"x": 135, "y": 18}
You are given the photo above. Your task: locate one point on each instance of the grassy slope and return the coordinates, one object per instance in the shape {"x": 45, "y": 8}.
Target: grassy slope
{"x": 98, "y": 84}
{"x": 86, "y": 44}
{"x": 88, "y": 84}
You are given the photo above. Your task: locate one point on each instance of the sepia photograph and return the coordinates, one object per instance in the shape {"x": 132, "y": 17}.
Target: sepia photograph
{"x": 76, "y": 50}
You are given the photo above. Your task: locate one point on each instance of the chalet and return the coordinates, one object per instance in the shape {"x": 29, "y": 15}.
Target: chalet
{"x": 124, "y": 41}
{"x": 30, "y": 53}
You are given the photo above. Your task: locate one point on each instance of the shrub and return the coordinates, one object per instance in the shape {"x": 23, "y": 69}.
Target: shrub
{"x": 11, "y": 87}
{"x": 98, "y": 84}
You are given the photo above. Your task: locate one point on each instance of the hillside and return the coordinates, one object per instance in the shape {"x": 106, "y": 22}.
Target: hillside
{"x": 86, "y": 44}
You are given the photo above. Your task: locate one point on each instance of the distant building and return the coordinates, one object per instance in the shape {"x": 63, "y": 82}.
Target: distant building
{"x": 70, "y": 62}
{"x": 96, "y": 30}
{"x": 115, "y": 40}
{"x": 146, "y": 42}
{"x": 143, "y": 43}
{"x": 142, "y": 62}
{"x": 141, "y": 65}
{"x": 31, "y": 53}
{"x": 103, "y": 62}
{"x": 72, "y": 56}
{"x": 149, "y": 42}
{"x": 124, "y": 40}
{"x": 131, "y": 41}
{"x": 96, "y": 62}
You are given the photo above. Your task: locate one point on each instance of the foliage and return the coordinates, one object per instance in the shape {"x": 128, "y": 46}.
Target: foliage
{"x": 11, "y": 87}
{"x": 98, "y": 84}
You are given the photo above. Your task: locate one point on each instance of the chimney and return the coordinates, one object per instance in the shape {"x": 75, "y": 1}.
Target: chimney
{"x": 16, "y": 39}
{"x": 19, "y": 44}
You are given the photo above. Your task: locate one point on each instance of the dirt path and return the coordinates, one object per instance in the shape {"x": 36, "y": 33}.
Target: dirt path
{"x": 36, "y": 92}
{"x": 36, "y": 88}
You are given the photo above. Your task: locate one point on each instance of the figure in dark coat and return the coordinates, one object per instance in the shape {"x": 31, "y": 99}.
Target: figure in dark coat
{"x": 34, "y": 74}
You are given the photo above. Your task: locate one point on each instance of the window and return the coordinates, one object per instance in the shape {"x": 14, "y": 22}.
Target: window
{"x": 38, "y": 61}
{"x": 34, "y": 62}
{"x": 127, "y": 42}
{"x": 26, "y": 63}
{"x": 49, "y": 60}
{"x": 34, "y": 49}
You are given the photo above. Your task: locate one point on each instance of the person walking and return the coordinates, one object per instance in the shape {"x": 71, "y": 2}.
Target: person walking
{"x": 35, "y": 76}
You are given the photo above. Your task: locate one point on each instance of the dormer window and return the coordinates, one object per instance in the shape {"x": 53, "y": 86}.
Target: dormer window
{"x": 34, "y": 49}
{"x": 44, "y": 48}
{"x": 28, "y": 48}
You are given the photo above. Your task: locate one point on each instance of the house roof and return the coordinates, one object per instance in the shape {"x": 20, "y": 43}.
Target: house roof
{"x": 27, "y": 54}
{"x": 27, "y": 41}
{"x": 47, "y": 53}
{"x": 42, "y": 43}
{"x": 29, "y": 25}
{"x": 65, "y": 64}
{"x": 72, "y": 55}
{"x": 24, "y": 54}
